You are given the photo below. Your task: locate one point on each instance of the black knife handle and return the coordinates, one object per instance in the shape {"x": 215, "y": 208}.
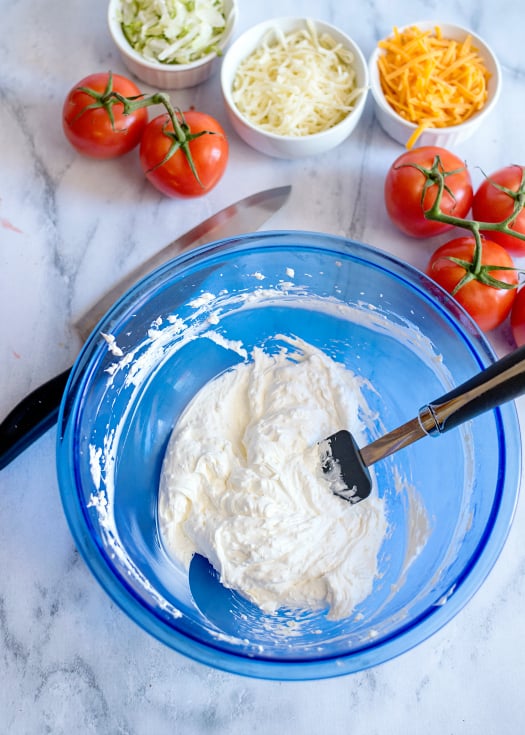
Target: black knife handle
{"x": 31, "y": 418}
{"x": 502, "y": 381}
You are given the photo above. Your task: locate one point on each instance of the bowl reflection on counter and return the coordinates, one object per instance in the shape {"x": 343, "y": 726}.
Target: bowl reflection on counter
{"x": 385, "y": 321}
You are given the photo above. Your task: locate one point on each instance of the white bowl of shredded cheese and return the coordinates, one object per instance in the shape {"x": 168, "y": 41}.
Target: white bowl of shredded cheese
{"x": 433, "y": 83}
{"x": 294, "y": 87}
{"x": 171, "y": 44}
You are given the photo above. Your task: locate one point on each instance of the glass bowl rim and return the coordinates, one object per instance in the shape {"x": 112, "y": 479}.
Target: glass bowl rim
{"x": 371, "y": 654}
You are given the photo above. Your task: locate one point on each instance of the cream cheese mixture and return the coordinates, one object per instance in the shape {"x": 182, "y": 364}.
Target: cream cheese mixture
{"x": 242, "y": 484}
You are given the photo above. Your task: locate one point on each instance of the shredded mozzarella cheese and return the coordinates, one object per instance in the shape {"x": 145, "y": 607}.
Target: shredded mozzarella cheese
{"x": 431, "y": 81}
{"x": 296, "y": 84}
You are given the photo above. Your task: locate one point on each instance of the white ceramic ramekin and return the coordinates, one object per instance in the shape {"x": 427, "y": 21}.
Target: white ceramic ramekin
{"x": 401, "y": 130}
{"x": 288, "y": 146}
{"x": 169, "y": 76}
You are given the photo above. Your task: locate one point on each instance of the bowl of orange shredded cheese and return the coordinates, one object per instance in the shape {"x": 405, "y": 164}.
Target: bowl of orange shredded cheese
{"x": 433, "y": 84}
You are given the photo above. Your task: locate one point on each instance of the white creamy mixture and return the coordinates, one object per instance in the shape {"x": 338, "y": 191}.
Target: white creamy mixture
{"x": 242, "y": 484}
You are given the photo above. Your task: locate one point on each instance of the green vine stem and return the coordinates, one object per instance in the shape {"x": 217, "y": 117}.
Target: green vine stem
{"x": 474, "y": 269}
{"x": 180, "y": 137}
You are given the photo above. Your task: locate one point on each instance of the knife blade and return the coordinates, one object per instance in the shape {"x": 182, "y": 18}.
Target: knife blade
{"x": 38, "y": 412}
{"x": 244, "y": 216}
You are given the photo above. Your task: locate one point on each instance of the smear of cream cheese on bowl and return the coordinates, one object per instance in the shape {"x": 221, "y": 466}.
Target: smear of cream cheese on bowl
{"x": 260, "y": 532}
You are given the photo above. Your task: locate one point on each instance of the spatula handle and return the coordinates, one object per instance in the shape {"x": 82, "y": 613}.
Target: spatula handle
{"x": 502, "y": 381}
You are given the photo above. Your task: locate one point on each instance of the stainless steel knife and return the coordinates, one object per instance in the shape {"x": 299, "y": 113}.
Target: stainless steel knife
{"x": 36, "y": 413}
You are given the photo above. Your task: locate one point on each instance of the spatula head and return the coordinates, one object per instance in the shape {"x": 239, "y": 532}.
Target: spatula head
{"x": 344, "y": 468}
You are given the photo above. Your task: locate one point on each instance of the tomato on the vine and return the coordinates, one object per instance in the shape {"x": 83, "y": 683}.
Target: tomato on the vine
{"x": 96, "y": 125}
{"x": 173, "y": 174}
{"x": 517, "y": 318}
{"x": 409, "y": 192}
{"x": 489, "y": 305}
{"x": 492, "y": 204}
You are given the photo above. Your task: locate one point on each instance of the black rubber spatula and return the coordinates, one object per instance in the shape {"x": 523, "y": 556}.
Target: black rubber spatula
{"x": 346, "y": 465}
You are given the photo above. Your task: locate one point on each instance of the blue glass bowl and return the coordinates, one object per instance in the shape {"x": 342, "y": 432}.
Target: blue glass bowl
{"x": 384, "y": 320}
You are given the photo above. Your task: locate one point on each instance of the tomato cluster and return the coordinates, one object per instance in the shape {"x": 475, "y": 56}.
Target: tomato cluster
{"x": 97, "y": 124}
{"x": 428, "y": 191}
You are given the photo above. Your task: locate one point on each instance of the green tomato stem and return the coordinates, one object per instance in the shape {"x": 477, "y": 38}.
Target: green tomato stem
{"x": 437, "y": 176}
{"x": 180, "y": 137}
{"x": 475, "y": 268}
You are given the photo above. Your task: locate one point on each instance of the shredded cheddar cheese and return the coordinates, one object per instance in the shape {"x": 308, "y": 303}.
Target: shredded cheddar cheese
{"x": 431, "y": 81}
{"x": 296, "y": 84}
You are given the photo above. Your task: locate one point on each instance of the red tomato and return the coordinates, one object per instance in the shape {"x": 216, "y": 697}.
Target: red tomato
{"x": 486, "y": 304}
{"x": 91, "y": 131}
{"x": 517, "y": 318}
{"x": 490, "y": 204}
{"x": 174, "y": 177}
{"x": 406, "y": 198}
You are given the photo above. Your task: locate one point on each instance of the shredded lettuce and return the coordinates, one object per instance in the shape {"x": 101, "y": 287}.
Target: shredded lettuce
{"x": 173, "y": 31}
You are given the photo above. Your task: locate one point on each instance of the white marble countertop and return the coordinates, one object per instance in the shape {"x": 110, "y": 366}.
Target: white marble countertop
{"x": 70, "y": 661}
